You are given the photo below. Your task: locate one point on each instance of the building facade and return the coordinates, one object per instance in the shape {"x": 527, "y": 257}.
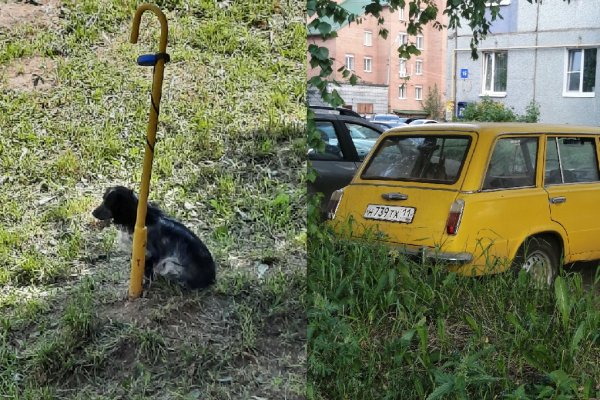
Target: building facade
{"x": 543, "y": 52}
{"x": 386, "y": 83}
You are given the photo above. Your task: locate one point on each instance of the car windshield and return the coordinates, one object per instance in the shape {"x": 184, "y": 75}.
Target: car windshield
{"x": 362, "y": 132}
{"x": 418, "y": 158}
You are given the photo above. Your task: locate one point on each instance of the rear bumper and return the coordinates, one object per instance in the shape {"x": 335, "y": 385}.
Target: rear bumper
{"x": 429, "y": 254}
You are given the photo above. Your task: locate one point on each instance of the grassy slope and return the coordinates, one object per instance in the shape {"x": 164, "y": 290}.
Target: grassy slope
{"x": 229, "y": 163}
{"x": 381, "y": 326}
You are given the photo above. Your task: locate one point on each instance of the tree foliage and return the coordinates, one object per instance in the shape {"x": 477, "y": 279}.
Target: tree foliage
{"x": 433, "y": 104}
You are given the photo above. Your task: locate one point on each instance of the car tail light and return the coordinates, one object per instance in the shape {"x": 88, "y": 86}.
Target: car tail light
{"x": 454, "y": 217}
{"x": 334, "y": 202}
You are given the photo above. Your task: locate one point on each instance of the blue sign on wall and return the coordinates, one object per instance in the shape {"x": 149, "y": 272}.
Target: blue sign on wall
{"x": 464, "y": 73}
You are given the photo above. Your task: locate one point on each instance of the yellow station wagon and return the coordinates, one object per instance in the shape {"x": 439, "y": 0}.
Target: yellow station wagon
{"x": 481, "y": 197}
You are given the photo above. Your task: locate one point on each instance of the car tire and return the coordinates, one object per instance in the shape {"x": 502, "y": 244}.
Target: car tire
{"x": 540, "y": 257}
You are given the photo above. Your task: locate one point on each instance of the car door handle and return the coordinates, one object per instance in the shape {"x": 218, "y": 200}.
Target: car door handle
{"x": 558, "y": 200}
{"x": 395, "y": 196}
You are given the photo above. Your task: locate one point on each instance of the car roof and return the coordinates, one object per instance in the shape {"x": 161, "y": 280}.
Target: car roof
{"x": 336, "y": 111}
{"x": 497, "y": 128}
{"x": 347, "y": 118}
{"x": 386, "y": 115}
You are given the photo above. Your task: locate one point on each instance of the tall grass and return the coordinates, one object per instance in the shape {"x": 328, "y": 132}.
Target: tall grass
{"x": 384, "y": 327}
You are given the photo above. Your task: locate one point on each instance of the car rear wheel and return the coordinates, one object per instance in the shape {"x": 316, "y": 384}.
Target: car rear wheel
{"x": 540, "y": 258}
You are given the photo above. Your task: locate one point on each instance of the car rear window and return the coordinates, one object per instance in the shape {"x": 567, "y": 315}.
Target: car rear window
{"x": 418, "y": 158}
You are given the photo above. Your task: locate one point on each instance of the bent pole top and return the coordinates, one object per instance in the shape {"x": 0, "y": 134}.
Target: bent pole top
{"x": 164, "y": 27}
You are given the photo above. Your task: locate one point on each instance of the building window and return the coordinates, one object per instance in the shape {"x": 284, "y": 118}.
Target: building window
{"x": 494, "y": 73}
{"x": 368, "y": 64}
{"x": 420, "y": 42}
{"x": 350, "y": 62}
{"x": 580, "y": 79}
{"x": 418, "y": 93}
{"x": 402, "y": 38}
{"x": 419, "y": 67}
{"x": 402, "y": 92}
{"x": 401, "y": 14}
{"x": 402, "y": 68}
{"x": 368, "y": 38}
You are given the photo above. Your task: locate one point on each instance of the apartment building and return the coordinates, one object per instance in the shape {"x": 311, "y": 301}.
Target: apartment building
{"x": 546, "y": 52}
{"x": 387, "y": 83}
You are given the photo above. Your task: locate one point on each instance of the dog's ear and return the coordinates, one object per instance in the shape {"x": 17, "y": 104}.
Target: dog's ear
{"x": 102, "y": 212}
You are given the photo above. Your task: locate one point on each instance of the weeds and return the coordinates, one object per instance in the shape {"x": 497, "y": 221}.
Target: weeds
{"x": 381, "y": 326}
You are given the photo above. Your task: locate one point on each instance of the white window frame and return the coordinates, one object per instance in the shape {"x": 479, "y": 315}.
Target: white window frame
{"x": 402, "y": 38}
{"x": 492, "y": 92}
{"x": 420, "y": 42}
{"x": 497, "y": 3}
{"x": 402, "y": 91}
{"x": 419, "y": 92}
{"x": 418, "y": 67}
{"x": 401, "y": 15}
{"x": 368, "y": 62}
{"x": 578, "y": 93}
{"x": 368, "y": 38}
{"x": 402, "y": 68}
{"x": 349, "y": 62}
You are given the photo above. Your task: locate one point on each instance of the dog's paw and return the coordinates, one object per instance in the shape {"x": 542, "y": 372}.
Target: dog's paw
{"x": 146, "y": 283}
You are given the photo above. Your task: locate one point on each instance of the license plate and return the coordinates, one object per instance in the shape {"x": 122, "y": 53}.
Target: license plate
{"x": 390, "y": 213}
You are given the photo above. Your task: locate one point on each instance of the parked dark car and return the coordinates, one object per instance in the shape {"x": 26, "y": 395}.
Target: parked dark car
{"x": 347, "y": 140}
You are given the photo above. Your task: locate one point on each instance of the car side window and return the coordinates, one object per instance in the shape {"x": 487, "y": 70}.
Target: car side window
{"x": 513, "y": 163}
{"x": 331, "y": 150}
{"x": 363, "y": 138}
{"x": 570, "y": 160}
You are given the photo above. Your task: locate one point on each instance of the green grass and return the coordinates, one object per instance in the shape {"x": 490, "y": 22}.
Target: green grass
{"x": 382, "y": 326}
{"x": 229, "y": 163}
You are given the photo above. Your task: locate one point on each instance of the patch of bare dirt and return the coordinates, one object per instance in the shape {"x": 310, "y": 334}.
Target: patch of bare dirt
{"x": 28, "y": 74}
{"x": 36, "y": 12}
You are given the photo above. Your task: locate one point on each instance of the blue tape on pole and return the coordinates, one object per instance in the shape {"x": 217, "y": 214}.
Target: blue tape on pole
{"x": 150, "y": 60}
{"x": 147, "y": 60}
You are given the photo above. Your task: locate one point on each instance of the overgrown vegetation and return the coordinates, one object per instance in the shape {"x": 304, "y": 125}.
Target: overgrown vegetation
{"x": 384, "y": 327}
{"x": 488, "y": 110}
{"x": 229, "y": 163}
{"x": 433, "y": 104}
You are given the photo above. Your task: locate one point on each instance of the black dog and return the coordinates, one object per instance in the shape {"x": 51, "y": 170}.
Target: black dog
{"x": 172, "y": 250}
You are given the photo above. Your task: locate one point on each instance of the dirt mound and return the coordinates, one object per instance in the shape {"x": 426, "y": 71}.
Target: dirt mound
{"x": 40, "y": 12}
{"x": 33, "y": 73}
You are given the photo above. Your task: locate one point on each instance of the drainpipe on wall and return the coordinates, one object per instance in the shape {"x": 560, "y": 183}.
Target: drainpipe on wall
{"x": 535, "y": 54}
{"x": 389, "y": 66}
{"x": 453, "y": 80}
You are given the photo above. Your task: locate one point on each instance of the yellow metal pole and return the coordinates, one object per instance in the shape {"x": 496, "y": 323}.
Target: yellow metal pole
{"x": 138, "y": 255}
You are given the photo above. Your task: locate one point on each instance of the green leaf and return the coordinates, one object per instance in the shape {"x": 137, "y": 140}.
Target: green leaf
{"x": 539, "y": 356}
{"x": 324, "y": 27}
{"x": 445, "y": 385}
{"x": 473, "y": 324}
{"x": 407, "y": 337}
{"x": 282, "y": 199}
{"x": 563, "y": 303}
{"x": 578, "y": 336}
